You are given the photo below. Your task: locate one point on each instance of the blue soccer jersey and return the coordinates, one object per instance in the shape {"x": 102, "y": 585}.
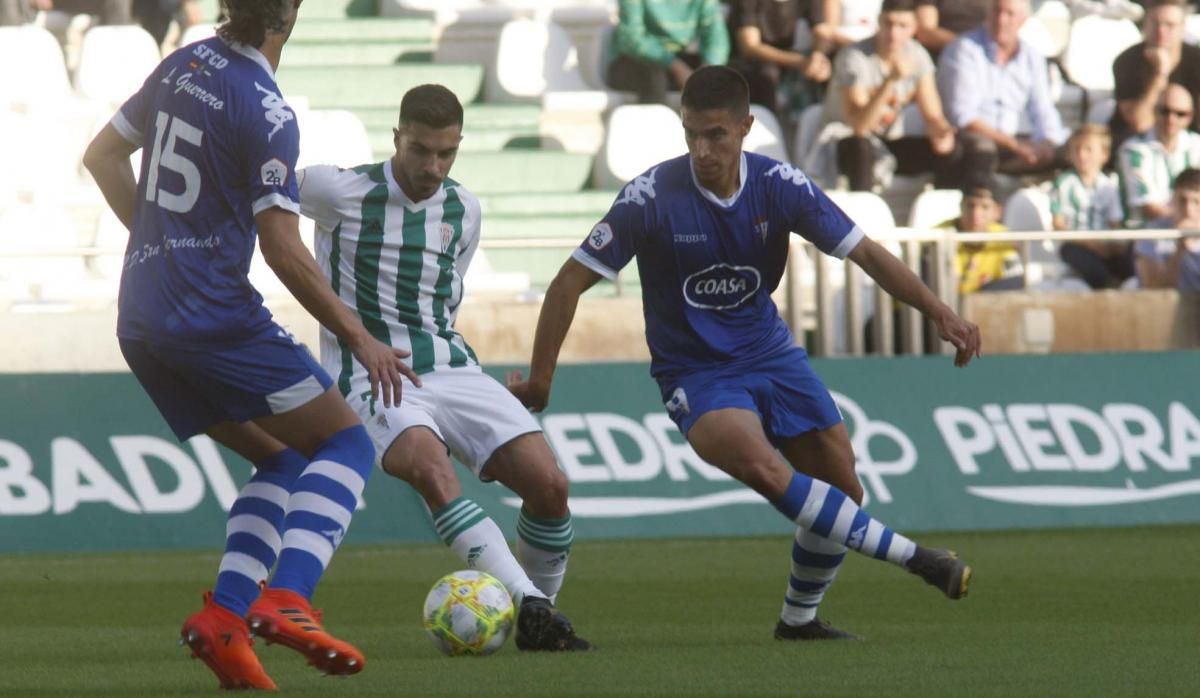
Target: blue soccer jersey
{"x": 219, "y": 146}
{"x": 707, "y": 265}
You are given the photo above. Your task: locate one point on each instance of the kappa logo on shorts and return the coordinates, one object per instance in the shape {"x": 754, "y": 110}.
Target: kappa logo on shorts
{"x": 678, "y": 402}
{"x": 600, "y": 237}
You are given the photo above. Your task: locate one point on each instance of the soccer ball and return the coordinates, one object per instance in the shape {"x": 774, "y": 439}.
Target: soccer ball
{"x": 468, "y": 612}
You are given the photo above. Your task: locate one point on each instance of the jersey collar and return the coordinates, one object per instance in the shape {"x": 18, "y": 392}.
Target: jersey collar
{"x": 724, "y": 203}
{"x": 251, "y": 53}
{"x": 398, "y": 191}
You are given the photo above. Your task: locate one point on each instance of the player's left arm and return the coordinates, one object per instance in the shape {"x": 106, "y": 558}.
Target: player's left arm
{"x": 898, "y": 280}
{"x": 107, "y": 159}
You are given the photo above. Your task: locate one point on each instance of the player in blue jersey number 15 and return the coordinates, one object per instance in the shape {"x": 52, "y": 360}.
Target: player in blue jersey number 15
{"x": 219, "y": 171}
{"x": 710, "y": 233}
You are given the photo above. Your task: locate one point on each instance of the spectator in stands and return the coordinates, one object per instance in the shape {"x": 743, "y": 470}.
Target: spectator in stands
{"x": 845, "y": 22}
{"x": 873, "y": 81}
{"x": 1087, "y": 198}
{"x": 1175, "y": 263}
{"x": 1150, "y": 162}
{"x": 989, "y": 78}
{"x": 652, "y": 45}
{"x": 109, "y": 11}
{"x": 1142, "y": 72}
{"x": 764, "y": 40}
{"x": 156, "y": 16}
{"x": 984, "y": 266}
{"x": 941, "y": 21}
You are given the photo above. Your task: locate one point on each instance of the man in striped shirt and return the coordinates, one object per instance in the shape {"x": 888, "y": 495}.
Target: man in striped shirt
{"x": 395, "y": 239}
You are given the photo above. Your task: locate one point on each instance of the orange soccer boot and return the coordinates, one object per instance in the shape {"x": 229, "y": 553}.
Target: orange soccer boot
{"x": 220, "y": 638}
{"x": 285, "y": 617}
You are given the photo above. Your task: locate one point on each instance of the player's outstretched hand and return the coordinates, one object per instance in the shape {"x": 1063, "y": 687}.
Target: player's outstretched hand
{"x": 385, "y": 365}
{"x": 533, "y": 395}
{"x": 962, "y": 334}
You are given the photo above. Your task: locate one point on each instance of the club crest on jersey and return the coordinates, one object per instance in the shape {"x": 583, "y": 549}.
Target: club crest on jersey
{"x": 640, "y": 188}
{"x": 762, "y": 226}
{"x": 447, "y": 232}
{"x": 277, "y": 112}
{"x": 274, "y": 173}
{"x": 721, "y": 286}
{"x": 600, "y": 237}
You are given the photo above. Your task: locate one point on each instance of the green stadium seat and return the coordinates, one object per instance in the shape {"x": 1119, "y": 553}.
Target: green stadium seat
{"x": 522, "y": 171}
{"x": 594, "y": 202}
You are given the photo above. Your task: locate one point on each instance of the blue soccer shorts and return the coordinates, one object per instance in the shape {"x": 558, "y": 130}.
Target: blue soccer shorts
{"x": 782, "y": 390}
{"x": 199, "y": 386}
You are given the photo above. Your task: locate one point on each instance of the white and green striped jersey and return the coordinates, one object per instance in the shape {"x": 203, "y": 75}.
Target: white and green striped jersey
{"x": 398, "y": 264}
{"x": 1148, "y": 170}
{"x": 1097, "y": 207}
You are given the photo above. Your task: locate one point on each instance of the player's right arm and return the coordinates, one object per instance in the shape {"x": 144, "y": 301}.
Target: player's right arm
{"x": 554, "y": 321}
{"x": 107, "y": 159}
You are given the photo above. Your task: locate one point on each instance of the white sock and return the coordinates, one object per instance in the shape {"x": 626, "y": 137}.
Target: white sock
{"x": 478, "y": 541}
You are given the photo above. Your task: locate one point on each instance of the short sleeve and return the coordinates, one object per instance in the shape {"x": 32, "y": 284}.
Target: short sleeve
{"x": 922, "y": 63}
{"x": 810, "y": 213}
{"x": 613, "y": 241}
{"x": 130, "y": 119}
{"x": 316, "y": 185}
{"x": 853, "y": 68}
{"x": 271, "y": 144}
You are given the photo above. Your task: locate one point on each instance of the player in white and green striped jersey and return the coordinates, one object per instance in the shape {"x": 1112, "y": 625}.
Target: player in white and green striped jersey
{"x": 395, "y": 239}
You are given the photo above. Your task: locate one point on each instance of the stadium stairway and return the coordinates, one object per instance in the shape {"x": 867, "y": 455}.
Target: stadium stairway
{"x": 533, "y": 192}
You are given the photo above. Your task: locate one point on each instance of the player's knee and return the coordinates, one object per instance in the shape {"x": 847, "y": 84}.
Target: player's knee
{"x": 546, "y": 495}
{"x": 434, "y": 481}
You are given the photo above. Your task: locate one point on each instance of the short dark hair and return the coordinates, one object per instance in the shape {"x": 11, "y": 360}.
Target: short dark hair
{"x": 898, "y": 6}
{"x": 717, "y": 87}
{"x": 249, "y": 20}
{"x": 1189, "y": 179}
{"x": 1155, "y": 4}
{"x": 431, "y": 105}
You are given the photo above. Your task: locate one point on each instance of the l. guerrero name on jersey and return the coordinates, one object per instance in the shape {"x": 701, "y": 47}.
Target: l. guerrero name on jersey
{"x": 708, "y": 266}
{"x": 399, "y": 264}
{"x": 219, "y": 146}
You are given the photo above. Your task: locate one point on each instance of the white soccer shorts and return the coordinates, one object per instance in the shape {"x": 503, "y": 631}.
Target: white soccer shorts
{"x": 471, "y": 412}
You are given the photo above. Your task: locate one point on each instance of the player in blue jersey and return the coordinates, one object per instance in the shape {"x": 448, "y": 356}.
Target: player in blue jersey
{"x": 219, "y": 171}
{"x": 710, "y": 233}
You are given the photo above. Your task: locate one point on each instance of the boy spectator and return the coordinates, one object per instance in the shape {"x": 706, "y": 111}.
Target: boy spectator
{"x": 984, "y": 266}
{"x": 1150, "y": 162}
{"x": 1175, "y": 263}
{"x": 1142, "y": 72}
{"x": 1087, "y": 198}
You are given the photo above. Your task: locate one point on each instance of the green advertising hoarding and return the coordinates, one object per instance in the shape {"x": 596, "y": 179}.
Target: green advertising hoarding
{"x": 86, "y": 463}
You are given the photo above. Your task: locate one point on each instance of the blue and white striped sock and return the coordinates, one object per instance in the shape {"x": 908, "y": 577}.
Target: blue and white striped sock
{"x": 543, "y": 546}
{"x": 815, "y": 563}
{"x": 319, "y": 511}
{"x": 252, "y": 533}
{"x": 828, "y": 513}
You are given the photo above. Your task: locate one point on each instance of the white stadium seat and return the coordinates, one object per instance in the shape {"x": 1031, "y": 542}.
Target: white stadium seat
{"x": 533, "y": 58}
{"x": 1094, "y": 44}
{"x": 637, "y": 137}
{"x": 197, "y": 32}
{"x": 34, "y": 71}
{"x": 934, "y": 207}
{"x": 807, "y": 128}
{"x": 1028, "y": 209}
{"x": 590, "y": 27}
{"x": 332, "y": 137}
{"x": 114, "y": 62}
{"x": 766, "y": 136}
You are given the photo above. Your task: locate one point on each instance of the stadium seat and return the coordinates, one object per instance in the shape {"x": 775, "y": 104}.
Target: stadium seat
{"x": 637, "y": 137}
{"x": 468, "y": 35}
{"x": 1028, "y": 209}
{"x": 481, "y": 278}
{"x": 110, "y": 242}
{"x": 807, "y": 128}
{"x": 1054, "y": 18}
{"x": 934, "y": 207}
{"x": 39, "y": 252}
{"x": 766, "y": 136}
{"x": 34, "y": 71}
{"x": 114, "y": 61}
{"x": 332, "y": 137}
{"x": 590, "y": 27}
{"x": 1192, "y": 27}
{"x": 1101, "y": 112}
{"x": 197, "y": 32}
{"x": 1093, "y": 45}
{"x": 533, "y": 58}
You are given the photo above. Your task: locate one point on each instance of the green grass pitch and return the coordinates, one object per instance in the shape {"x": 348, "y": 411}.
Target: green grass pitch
{"x": 1051, "y": 613}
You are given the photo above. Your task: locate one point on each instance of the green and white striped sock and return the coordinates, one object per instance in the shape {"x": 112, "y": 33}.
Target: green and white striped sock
{"x": 478, "y": 541}
{"x": 543, "y": 546}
